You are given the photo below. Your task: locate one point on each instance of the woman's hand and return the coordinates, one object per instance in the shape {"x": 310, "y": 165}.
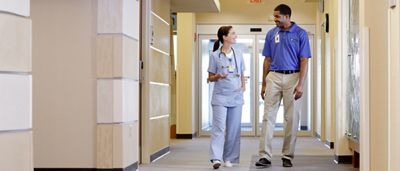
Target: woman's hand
{"x": 220, "y": 76}
{"x": 215, "y": 77}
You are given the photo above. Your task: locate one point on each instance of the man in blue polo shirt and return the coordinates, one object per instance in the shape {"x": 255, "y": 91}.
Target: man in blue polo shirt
{"x": 286, "y": 52}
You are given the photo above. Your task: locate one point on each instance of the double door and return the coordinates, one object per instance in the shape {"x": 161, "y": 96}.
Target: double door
{"x": 251, "y": 46}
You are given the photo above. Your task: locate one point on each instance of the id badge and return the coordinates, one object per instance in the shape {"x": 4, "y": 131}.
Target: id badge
{"x": 277, "y": 38}
{"x": 231, "y": 68}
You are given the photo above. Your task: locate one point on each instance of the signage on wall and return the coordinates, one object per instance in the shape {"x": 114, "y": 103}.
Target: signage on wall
{"x": 255, "y": 1}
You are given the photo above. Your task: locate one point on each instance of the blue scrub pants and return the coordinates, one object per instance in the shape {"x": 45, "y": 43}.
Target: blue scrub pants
{"x": 226, "y": 147}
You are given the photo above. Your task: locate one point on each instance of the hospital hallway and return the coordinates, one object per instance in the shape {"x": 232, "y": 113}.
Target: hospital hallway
{"x": 311, "y": 155}
{"x": 143, "y": 85}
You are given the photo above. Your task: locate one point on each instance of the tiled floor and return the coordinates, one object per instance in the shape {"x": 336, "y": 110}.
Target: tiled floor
{"x": 192, "y": 155}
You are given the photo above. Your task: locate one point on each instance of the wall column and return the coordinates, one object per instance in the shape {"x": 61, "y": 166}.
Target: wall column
{"x": 117, "y": 58}
{"x": 186, "y": 126}
{"x": 15, "y": 86}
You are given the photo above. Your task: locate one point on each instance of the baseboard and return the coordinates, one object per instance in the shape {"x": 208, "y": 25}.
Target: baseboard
{"x": 159, "y": 153}
{"x": 329, "y": 144}
{"x": 317, "y": 135}
{"x": 65, "y": 169}
{"x": 132, "y": 167}
{"x": 343, "y": 159}
{"x": 185, "y": 136}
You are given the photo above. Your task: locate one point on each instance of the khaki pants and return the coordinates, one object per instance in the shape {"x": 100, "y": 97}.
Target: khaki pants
{"x": 280, "y": 86}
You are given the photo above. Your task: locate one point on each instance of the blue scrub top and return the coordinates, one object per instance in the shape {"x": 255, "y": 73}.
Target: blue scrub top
{"x": 227, "y": 92}
{"x": 286, "y": 48}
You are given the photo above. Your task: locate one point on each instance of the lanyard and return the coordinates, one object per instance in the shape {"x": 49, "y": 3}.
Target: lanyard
{"x": 234, "y": 56}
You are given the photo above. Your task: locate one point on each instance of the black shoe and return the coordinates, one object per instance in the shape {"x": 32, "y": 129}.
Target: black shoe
{"x": 263, "y": 162}
{"x": 286, "y": 163}
{"x": 216, "y": 164}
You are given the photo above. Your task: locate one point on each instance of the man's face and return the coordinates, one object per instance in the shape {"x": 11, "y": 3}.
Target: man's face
{"x": 280, "y": 20}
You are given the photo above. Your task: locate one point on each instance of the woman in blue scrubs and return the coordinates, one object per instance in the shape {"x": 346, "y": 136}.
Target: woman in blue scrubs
{"x": 226, "y": 69}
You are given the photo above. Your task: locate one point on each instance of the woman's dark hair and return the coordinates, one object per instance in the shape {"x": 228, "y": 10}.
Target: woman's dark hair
{"x": 284, "y": 9}
{"x": 222, "y": 31}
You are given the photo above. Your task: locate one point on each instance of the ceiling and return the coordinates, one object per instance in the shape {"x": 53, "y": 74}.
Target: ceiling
{"x": 195, "y": 6}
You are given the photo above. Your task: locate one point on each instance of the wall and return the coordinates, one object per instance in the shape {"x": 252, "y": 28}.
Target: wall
{"x": 319, "y": 74}
{"x": 64, "y": 84}
{"x": 86, "y": 90}
{"x": 155, "y": 87}
{"x": 15, "y": 86}
{"x": 185, "y": 74}
{"x": 242, "y": 12}
{"x": 394, "y": 88}
{"x": 338, "y": 15}
{"x": 326, "y": 119}
{"x": 377, "y": 22}
{"x": 329, "y": 71}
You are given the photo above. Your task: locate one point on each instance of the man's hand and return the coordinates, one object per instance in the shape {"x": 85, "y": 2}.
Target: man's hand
{"x": 298, "y": 92}
{"x": 263, "y": 92}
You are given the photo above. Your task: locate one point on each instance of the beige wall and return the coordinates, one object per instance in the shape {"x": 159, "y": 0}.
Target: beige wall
{"x": 338, "y": 65}
{"x": 394, "y": 89}
{"x": 86, "y": 92}
{"x": 242, "y": 12}
{"x": 64, "y": 84}
{"x": 16, "y": 151}
{"x": 326, "y": 120}
{"x": 330, "y": 46}
{"x": 319, "y": 117}
{"x": 378, "y": 53}
{"x": 156, "y": 88}
{"x": 185, "y": 74}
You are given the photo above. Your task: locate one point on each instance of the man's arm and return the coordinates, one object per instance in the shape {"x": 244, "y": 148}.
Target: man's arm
{"x": 298, "y": 91}
{"x": 266, "y": 65}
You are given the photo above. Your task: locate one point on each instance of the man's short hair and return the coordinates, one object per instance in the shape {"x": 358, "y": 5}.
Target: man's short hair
{"x": 284, "y": 9}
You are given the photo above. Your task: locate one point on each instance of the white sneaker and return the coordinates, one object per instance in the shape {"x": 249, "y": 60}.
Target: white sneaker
{"x": 228, "y": 164}
{"x": 216, "y": 164}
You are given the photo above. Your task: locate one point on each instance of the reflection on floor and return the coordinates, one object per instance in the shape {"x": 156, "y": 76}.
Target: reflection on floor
{"x": 311, "y": 155}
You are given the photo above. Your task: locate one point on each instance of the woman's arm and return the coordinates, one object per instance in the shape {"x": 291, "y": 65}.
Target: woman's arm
{"x": 243, "y": 82}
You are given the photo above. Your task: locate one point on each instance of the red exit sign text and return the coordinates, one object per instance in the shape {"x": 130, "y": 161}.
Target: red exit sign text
{"x": 255, "y": 1}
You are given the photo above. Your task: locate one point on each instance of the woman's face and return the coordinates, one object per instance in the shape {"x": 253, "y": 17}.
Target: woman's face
{"x": 231, "y": 37}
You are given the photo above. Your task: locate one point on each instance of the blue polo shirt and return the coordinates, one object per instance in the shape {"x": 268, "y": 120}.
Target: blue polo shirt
{"x": 286, "y": 48}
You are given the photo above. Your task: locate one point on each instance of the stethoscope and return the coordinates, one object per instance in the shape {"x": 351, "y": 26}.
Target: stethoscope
{"x": 234, "y": 57}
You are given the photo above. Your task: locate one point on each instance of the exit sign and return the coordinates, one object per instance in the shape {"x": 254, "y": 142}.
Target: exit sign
{"x": 255, "y": 1}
